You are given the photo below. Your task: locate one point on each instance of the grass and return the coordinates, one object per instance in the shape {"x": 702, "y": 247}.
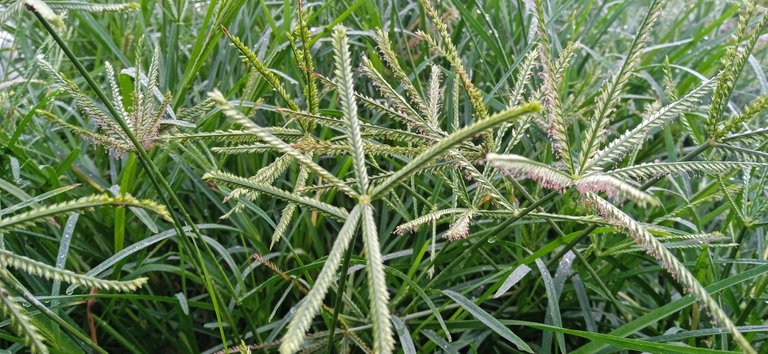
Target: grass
{"x": 481, "y": 176}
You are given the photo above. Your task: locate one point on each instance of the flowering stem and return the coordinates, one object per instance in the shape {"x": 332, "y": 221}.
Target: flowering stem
{"x": 155, "y": 176}
{"x": 340, "y": 295}
{"x": 733, "y": 252}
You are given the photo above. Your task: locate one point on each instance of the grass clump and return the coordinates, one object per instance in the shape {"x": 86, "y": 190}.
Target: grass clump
{"x": 510, "y": 176}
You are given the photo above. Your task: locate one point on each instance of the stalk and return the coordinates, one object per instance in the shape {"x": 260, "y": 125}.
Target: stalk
{"x": 734, "y": 252}
{"x": 156, "y": 177}
{"x": 340, "y": 296}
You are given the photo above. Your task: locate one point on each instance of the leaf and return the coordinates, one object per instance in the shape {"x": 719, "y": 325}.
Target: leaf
{"x": 423, "y": 296}
{"x": 624, "y": 343}
{"x": 514, "y": 277}
{"x": 141, "y": 245}
{"x": 671, "y": 308}
{"x": 406, "y": 342}
{"x": 33, "y": 201}
{"x": 487, "y": 319}
{"x": 553, "y": 308}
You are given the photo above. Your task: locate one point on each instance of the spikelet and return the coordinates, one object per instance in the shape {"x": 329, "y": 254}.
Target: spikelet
{"x": 280, "y": 145}
{"x": 459, "y": 230}
{"x": 668, "y": 261}
{"x": 383, "y": 341}
{"x": 518, "y": 166}
{"x": 523, "y": 77}
{"x": 346, "y": 89}
{"x": 294, "y": 336}
{"x": 555, "y": 125}
{"x": 249, "y": 57}
{"x": 430, "y": 218}
{"x": 390, "y": 58}
{"x": 659, "y": 169}
{"x": 145, "y": 119}
{"x": 753, "y": 137}
{"x": 607, "y": 101}
{"x": 231, "y": 180}
{"x": 21, "y": 322}
{"x": 194, "y": 113}
{"x": 306, "y": 62}
{"x": 757, "y": 106}
{"x": 615, "y": 188}
{"x": 286, "y": 216}
{"x": 33, "y": 267}
{"x": 448, "y": 50}
{"x": 630, "y": 140}
{"x": 741, "y": 153}
{"x": 233, "y": 136}
{"x": 408, "y": 113}
{"x": 38, "y": 215}
{"x": 434, "y": 96}
{"x": 733, "y": 62}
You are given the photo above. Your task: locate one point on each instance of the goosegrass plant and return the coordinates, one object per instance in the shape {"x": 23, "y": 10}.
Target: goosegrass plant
{"x": 493, "y": 157}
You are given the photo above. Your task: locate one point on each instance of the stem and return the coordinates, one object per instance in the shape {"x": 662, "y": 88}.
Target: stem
{"x": 758, "y": 289}
{"x": 734, "y": 251}
{"x": 156, "y": 177}
{"x": 339, "y": 299}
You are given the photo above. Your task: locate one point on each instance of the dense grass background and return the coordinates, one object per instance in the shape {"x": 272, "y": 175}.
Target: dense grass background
{"x": 626, "y": 295}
